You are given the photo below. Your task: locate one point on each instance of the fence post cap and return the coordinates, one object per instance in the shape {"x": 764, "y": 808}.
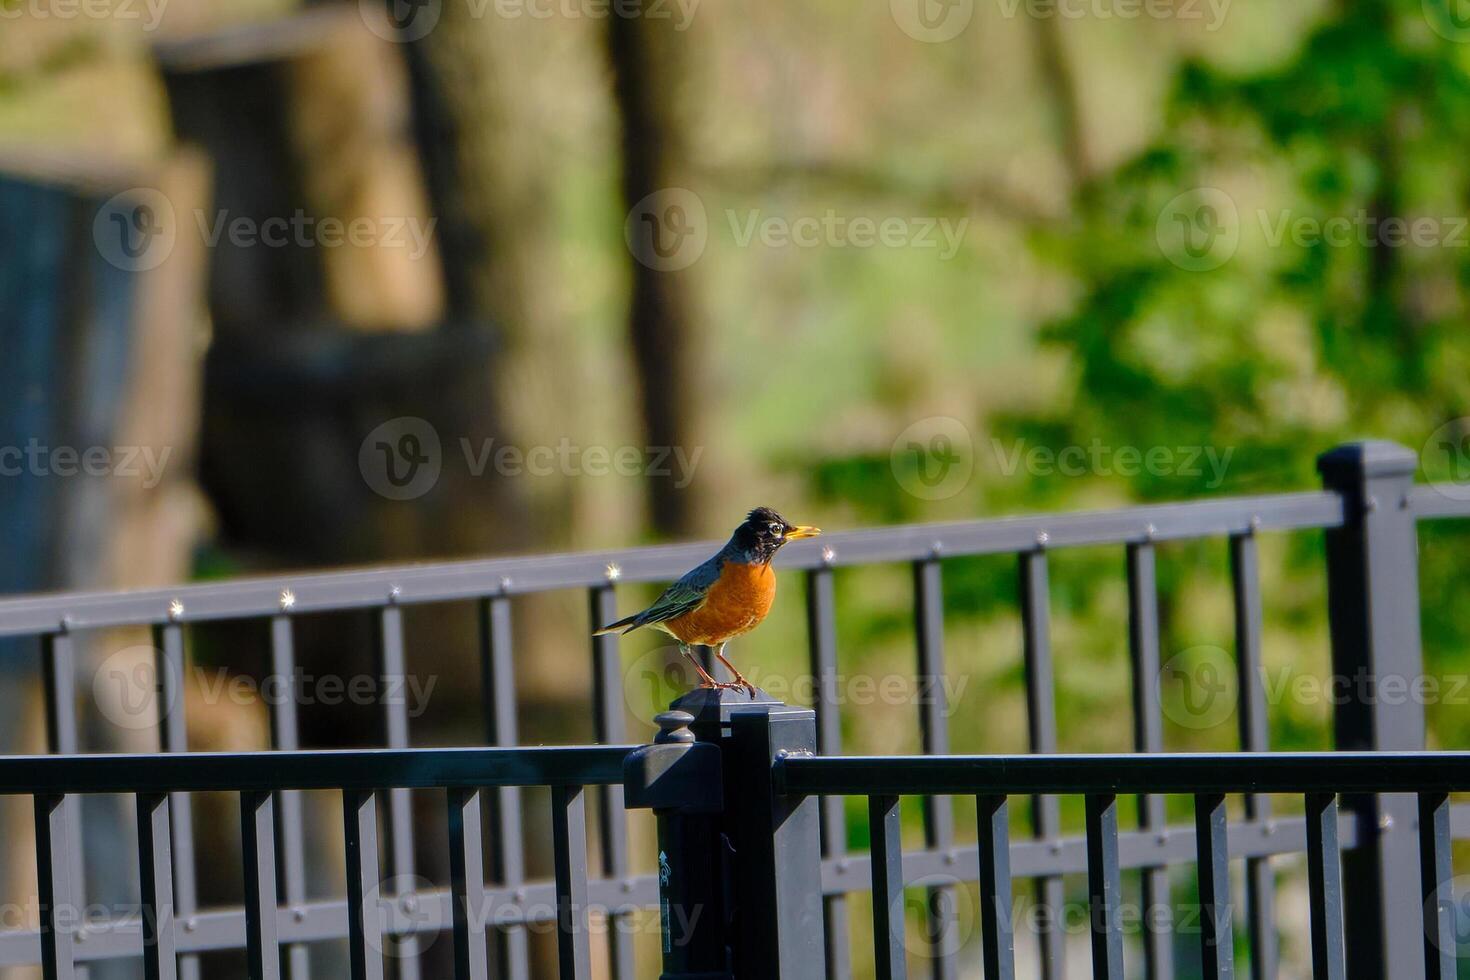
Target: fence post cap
{"x": 1355, "y": 461}
{"x": 674, "y": 727}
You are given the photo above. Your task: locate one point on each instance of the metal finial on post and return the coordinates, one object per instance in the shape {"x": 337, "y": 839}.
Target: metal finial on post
{"x": 674, "y": 728}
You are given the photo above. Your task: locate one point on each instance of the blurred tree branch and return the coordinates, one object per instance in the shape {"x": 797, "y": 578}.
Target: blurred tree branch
{"x": 1061, "y": 88}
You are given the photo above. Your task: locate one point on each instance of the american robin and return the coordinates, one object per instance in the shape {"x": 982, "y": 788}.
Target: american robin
{"x": 725, "y": 596}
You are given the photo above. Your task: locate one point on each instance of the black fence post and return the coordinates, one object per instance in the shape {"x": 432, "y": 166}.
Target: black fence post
{"x": 771, "y": 843}
{"x": 1373, "y": 610}
{"x": 679, "y": 779}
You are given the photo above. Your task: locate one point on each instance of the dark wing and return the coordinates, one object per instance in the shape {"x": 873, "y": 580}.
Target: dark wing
{"x": 684, "y": 596}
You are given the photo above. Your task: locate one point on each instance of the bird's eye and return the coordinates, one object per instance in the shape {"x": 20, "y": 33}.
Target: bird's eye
{"x": 776, "y": 529}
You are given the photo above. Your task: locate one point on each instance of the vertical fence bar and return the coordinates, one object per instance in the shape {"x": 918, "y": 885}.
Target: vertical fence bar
{"x": 503, "y": 803}
{"x": 1373, "y": 615}
{"x": 1104, "y": 887}
{"x": 258, "y": 839}
{"x": 59, "y": 675}
{"x": 400, "y": 801}
{"x": 467, "y": 885}
{"x": 1148, "y": 736}
{"x": 290, "y": 830}
{"x": 364, "y": 918}
{"x": 885, "y": 835}
{"x": 156, "y": 887}
{"x": 1324, "y": 882}
{"x": 1436, "y": 876}
{"x": 612, "y": 819}
{"x": 1217, "y": 940}
{"x": 1260, "y": 881}
{"x": 1046, "y": 821}
{"x": 934, "y": 734}
{"x": 60, "y": 912}
{"x": 168, "y": 641}
{"x": 997, "y": 938}
{"x": 821, "y": 620}
{"x": 569, "y": 847}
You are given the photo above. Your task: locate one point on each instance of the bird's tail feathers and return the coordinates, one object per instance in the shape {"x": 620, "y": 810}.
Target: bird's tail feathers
{"x": 621, "y": 626}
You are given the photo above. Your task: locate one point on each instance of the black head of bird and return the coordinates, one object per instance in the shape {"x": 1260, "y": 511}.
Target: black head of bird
{"x": 763, "y": 533}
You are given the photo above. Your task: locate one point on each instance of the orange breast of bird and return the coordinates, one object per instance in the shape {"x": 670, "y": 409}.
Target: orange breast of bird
{"x": 737, "y": 602}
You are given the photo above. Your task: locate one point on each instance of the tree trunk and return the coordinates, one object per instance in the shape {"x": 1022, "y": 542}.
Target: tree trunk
{"x": 644, "y": 56}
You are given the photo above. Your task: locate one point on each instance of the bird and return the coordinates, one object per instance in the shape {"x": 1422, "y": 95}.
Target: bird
{"x": 724, "y": 597}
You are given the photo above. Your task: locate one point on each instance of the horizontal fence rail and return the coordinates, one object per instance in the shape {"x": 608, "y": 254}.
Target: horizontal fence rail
{"x": 1174, "y": 772}
{"x": 366, "y": 769}
{"x": 447, "y": 581}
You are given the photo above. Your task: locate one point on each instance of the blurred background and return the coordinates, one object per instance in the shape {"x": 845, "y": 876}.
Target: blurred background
{"x": 290, "y": 285}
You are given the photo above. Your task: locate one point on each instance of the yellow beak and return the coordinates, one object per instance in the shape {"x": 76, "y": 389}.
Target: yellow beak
{"x": 802, "y": 531}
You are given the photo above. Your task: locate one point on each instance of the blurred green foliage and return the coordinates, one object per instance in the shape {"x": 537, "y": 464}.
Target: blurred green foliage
{"x": 1271, "y": 349}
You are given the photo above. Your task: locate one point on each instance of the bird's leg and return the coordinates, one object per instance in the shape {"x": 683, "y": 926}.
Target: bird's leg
{"x": 705, "y": 680}
{"x": 740, "y": 681}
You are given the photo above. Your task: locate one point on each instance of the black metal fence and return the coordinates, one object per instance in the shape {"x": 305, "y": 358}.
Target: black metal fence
{"x": 159, "y": 782}
{"x": 782, "y": 901}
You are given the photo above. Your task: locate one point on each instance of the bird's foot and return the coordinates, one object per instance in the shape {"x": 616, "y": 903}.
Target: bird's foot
{"x": 741, "y": 684}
